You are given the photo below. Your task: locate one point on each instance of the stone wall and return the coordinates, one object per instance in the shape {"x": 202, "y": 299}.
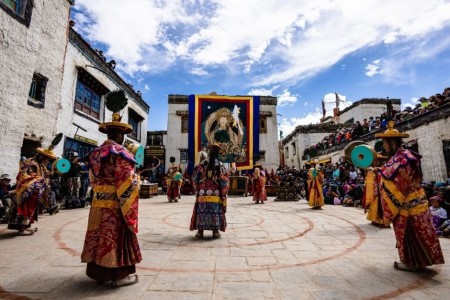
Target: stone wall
{"x": 25, "y": 50}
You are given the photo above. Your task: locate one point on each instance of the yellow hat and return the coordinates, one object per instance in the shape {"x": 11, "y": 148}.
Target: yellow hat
{"x": 391, "y": 132}
{"x": 115, "y": 123}
{"x": 48, "y": 152}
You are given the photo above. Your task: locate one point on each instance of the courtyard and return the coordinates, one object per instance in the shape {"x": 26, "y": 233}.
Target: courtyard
{"x": 276, "y": 250}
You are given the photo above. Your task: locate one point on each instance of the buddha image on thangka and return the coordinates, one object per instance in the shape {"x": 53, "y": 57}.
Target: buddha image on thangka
{"x": 225, "y": 127}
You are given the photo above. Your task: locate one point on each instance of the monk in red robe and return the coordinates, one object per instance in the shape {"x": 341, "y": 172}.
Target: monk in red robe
{"x": 404, "y": 203}
{"x": 111, "y": 249}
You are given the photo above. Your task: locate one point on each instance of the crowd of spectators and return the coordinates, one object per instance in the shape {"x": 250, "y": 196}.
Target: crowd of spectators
{"x": 357, "y": 129}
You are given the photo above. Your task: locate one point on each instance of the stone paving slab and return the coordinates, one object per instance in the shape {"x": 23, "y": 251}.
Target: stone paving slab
{"x": 279, "y": 250}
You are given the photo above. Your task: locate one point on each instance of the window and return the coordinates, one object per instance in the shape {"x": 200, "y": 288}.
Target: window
{"x": 18, "y": 9}
{"x": 14, "y": 5}
{"x": 71, "y": 145}
{"x": 88, "y": 94}
{"x": 154, "y": 140}
{"x": 294, "y": 150}
{"x": 36, "y": 95}
{"x": 262, "y": 125}
{"x": 87, "y": 101}
{"x": 184, "y": 156}
{"x": 286, "y": 150}
{"x": 135, "y": 120}
{"x": 184, "y": 124}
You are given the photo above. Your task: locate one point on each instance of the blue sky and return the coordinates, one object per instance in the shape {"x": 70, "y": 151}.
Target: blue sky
{"x": 299, "y": 51}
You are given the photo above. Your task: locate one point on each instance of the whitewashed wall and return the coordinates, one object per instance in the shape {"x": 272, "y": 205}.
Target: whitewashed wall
{"x": 75, "y": 58}
{"x": 268, "y": 142}
{"x": 365, "y": 111}
{"x": 24, "y": 51}
{"x": 302, "y": 140}
{"x": 175, "y": 140}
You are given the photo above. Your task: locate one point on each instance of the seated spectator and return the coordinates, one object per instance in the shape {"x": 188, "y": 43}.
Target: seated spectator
{"x": 424, "y": 102}
{"x": 438, "y": 214}
{"x": 444, "y": 229}
{"x": 331, "y": 195}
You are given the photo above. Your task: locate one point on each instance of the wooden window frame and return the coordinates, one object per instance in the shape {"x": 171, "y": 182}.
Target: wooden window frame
{"x": 82, "y": 104}
{"x": 38, "y": 87}
{"x": 22, "y": 12}
{"x": 184, "y": 156}
{"x": 184, "y": 124}
{"x": 135, "y": 118}
{"x": 262, "y": 124}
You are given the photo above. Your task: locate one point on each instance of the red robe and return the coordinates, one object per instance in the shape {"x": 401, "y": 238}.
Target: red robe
{"x": 111, "y": 248}
{"x": 259, "y": 189}
{"x": 404, "y": 203}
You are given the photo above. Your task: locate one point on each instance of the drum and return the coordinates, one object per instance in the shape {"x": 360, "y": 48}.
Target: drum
{"x": 138, "y": 152}
{"x": 363, "y": 156}
{"x": 177, "y": 176}
{"x": 61, "y": 166}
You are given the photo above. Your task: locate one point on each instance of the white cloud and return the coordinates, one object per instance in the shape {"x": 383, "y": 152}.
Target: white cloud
{"x": 288, "y": 125}
{"x": 146, "y": 87}
{"x": 398, "y": 67}
{"x": 412, "y": 103}
{"x": 262, "y": 91}
{"x": 330, "y": 103}
{"x": 374, "y": 68}
{"x": 291, "y": 40}
{"x": 198, "y": 71}
{"x": 284, "y": 99}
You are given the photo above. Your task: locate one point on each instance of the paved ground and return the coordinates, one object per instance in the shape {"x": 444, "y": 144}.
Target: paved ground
{"x": 279, "y": 250}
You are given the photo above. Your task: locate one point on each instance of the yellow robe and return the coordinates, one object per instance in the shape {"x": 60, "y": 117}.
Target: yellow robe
{"x": 315, "y": 188}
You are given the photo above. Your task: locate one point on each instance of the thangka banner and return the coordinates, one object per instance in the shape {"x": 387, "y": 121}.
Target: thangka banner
{"x": 231, "y": 121}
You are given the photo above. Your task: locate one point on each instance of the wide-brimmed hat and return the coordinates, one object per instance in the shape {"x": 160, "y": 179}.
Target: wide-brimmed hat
{"x": 391, "y": 132}
{"x": 215, "y": 147}
{"x": 47, "y": 152}
{"x": 115, "y": 124}
{"x": 6, "y": 176}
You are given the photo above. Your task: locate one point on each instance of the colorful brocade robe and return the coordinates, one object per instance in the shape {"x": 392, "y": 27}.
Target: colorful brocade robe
{"x": 259, "y": 188}
{"x": 32, "y": 186}
{"x": 173, "y": 188}
{"x": 111, "y": 239}
{"x": 404, "y": 203}
{"x": 315, "y": 190}
{"x": 211, "y": 199}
